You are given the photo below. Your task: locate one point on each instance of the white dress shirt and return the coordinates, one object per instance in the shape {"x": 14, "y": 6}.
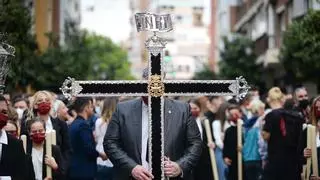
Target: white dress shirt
{"x": 49, "y": 126}
{"x": 37, "y": 161}
{"x": 144, "y": 136}
{"x": 3, "y": 140}
{"x": 200, "y": 127}
{"x": 100, "y": 131}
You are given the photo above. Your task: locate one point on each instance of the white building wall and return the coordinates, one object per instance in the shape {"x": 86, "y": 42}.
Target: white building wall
{"x": 189, "y": 45}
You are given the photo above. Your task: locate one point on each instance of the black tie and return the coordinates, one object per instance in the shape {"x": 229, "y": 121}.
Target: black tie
{"x": 147, "y": 155}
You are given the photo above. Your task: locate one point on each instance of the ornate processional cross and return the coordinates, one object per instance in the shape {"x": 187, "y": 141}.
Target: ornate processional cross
{"x": 156, "y": 87}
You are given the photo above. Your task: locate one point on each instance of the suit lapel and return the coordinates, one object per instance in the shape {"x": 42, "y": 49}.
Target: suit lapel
{"x": 137, "y": 122}
{"x": 169, "y": 113}
{"x": 54, "y": 124}
{"x": 4, "y": 153}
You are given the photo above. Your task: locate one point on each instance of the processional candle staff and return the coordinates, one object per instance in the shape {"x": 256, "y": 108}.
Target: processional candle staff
{"x": 311, "y": 144}
{"x": 211, "y": 151}
{"x": 239, "y": 148}
{"x": 49, "y": 152}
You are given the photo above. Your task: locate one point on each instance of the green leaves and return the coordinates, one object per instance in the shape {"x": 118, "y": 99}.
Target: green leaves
{"x": 205, "y": 74}
{"x": 88, "y": 57}
{"x": 301, "y": 46}
{"x": 15, "y": 20}
{"x": 85, "y": 56}
{"x": 238, "y": 59}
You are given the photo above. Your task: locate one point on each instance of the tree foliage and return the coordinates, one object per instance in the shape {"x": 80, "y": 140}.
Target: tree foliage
{"x": 84, "y": 56}
{"x": 205, "y": 74}
{"x": 239, "y": 59}
{"x": 301, "y": 46}
{"x": 15, "y": 20}
{"x": 87, "y": 57}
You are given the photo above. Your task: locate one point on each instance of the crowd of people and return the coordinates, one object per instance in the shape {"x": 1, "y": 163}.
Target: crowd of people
{"x": 273, "y": 134}
{"x": 94, "y": 141}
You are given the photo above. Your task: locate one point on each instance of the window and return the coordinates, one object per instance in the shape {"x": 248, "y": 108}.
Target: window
{"x": 259, "y": 24}
{"x": 187, "y": 68}
{"x": 300, "y": 8}
{"x": 197, "y": 19}
{"x": 179, "y": 18}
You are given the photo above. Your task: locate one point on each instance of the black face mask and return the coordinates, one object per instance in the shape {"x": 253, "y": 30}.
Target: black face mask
{"x": 303, "y": 104}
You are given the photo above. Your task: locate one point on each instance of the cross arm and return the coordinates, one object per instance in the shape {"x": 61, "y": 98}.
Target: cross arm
{"x": 237, "y": 87}
{"x": 71, "y": 88}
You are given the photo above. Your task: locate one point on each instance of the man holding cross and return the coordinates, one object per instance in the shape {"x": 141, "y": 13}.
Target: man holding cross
{"x": 126, "y": 140}
{"x": 155, "y": 134}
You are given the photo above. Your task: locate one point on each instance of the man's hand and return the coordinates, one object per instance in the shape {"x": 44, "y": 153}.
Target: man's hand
{"x": 140, "y": 173}
{"x": 171, "y": 169}
{"x": 228, "y": 161}
{"x": 307, "y": 153}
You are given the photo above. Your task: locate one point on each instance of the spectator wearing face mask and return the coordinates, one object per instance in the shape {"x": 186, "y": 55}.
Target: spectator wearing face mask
{"x": 314, "y": 120}
{"x": 36, "y": 150}
{"x": 230, "y": 143}
{"x": 302, "y": 104}
{"x": 41, "y": 107}
{"x": 203, "y": 170}
{"x": 20, "y": 104}
{"x": 12, "y": 156}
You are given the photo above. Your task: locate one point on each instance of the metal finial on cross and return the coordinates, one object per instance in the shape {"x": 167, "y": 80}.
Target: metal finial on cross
{"x": 156, "y": 87}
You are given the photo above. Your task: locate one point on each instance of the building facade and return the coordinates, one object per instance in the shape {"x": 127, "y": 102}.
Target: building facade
{"x": 188, "y": 44}
{"x": 136, "y": 49}
{"x": 265, "y": 23}
{"x": 51, "y": 16}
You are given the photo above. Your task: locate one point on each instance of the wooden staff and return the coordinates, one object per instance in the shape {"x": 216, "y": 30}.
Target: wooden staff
{"x": 211, "y": 151}
{"x": 314, "y": 152}
{"x": 49, "y": 152}
{"x": 54, "y": 137}
{"x": 24, "y": 142}
{"x": 239, "y": 144}
{"x": 309, "y": 144}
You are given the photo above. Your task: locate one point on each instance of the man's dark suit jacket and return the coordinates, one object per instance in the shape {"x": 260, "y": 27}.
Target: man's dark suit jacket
{"x": 122, "y": 142}
{"x": 83, "y": 164}
{"x": 13, "y": 159}
{"x": 62, "y": 134}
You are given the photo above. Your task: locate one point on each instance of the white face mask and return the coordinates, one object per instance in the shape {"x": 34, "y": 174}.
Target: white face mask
{"x": 256, "y": 98}
{"x": 20, "y": 113}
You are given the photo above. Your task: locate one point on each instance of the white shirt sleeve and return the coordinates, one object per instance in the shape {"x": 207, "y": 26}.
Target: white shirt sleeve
{"x": 216, "y": 127}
